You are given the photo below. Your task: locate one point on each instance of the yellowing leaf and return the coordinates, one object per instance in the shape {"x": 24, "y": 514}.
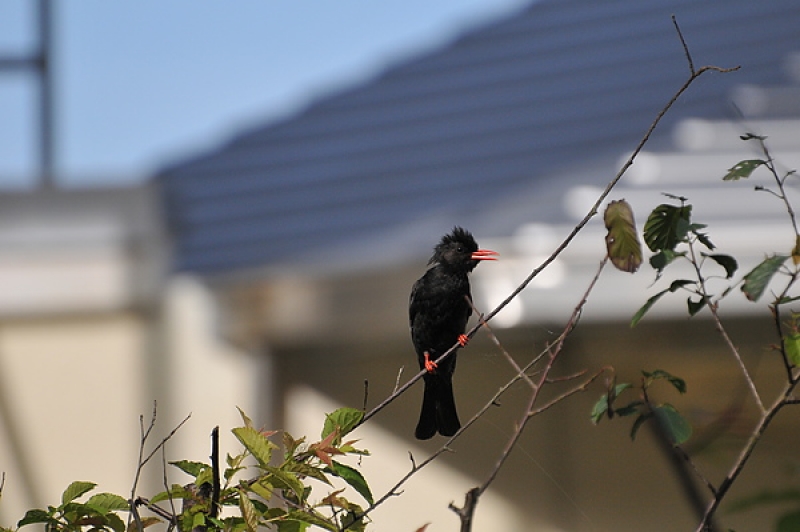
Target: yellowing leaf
{"x": 622, "y": 242}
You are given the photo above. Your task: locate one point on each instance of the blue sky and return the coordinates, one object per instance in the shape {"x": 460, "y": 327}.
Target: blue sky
{"x": 140, "y": 84}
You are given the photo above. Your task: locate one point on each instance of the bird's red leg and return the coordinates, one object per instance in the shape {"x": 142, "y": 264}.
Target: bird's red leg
{"x": 463, "y": 339}
{"x": 430, "y": 365}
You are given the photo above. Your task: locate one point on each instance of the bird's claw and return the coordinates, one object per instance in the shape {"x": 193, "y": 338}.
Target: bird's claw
{"x": 430, "y": 365}
{"x": 463, "y": 339}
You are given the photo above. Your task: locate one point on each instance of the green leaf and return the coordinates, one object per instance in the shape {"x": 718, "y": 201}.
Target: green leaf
{"x": 198, "y": 520}
{"x": 293, "y": 526}
{"x": 743, "y": 169}
{"x": 673, "y": 423}
{"x": 190, "y": 468}
{"x": 600, "y": 409}
{"x": 727, "y": 262}
{"x": 106, "y": 502}
{"x": 696, "y": 306}
{"x": 75, "y": 490}
{"x": 667, "y": 226}
{"x": 638, "y": 422}
{"x": 246, "y": 420}
{"x": 286, "y": 480}
{"x": 354, "y": 519}
{"x": 255, "y": 442}
{"x": 622, "y": 242}
{"x": 664, "y": 258}
{"x": 35, "y": 516}
{"x": 677, "y": 284}
{"x": 629, "y": 409}
{"x": 602, "y": 405}
{"x": 346, "y": 419}
{"x": 304, "y": 520}
{"x": 308, "y": 470}
{"x": 249, "y": 512}
{"x": 354, "y": 478}
{"x": 752, "y": 136}
{"x": 145, "y": 521}
{"x": 759, "y": 277}
{"x": 646, "y": 307}
{"x": 262, "y": 489}
{"x": 175, "y": 492}
{"x": 114, "y": 522}
{"x": 677, "y": 382}
{"x": 791, "y": 345}
{"x": 702, "y": 237}
{"x": 673, "y": 287}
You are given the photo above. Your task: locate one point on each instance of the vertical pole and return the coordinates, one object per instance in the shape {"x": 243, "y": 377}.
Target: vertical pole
{"x": 46, "y": 122}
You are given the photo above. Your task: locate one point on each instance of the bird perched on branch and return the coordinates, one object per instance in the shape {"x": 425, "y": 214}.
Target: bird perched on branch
{"x": 438, "y": 312}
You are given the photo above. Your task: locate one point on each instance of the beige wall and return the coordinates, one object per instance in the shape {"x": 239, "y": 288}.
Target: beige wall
{"x": 74, "y": 387}
{"x": 72, "y": 392}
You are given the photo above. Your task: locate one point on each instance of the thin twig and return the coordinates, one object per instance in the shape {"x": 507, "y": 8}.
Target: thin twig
{"x": 397, "y": 380}
{"x": 713, "y": 308}
{"x": 567, "y": 240}
{"x": 745, "y": 453}
{"x": 572, "y": 391}
{"x": 492, "y": 402}
{"x": 685, "y": 46}
{"x": 497, "y": 343}
{"x": 786, "y": 397}
{"x": 554, "y": 351}
{"x": 695, "y": 73}
{"x": 174, "y": 521}
{"x": 166, "y": 439}
{"x": 144, "y": 433}
{"x": 142, "y": 461}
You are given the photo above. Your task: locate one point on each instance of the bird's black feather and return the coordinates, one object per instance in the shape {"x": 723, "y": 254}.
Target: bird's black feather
{"x": 438, "y": 314}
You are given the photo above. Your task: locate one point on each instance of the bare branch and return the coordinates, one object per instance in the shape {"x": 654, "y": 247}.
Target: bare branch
{"x": 496, "y": 342}
{"x": 685, "y": 47}
{"x": 567, "y": 240}
{"x": 784, "y": 399}
{"x": 145, "y": 435}
{"x": 553, "y": 351}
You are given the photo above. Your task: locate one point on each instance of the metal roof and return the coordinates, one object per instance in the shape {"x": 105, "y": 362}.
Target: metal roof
{"x": 365, "y": 176}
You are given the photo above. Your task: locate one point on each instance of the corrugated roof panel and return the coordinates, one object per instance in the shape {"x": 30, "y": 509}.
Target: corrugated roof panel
{"x": 482, "y": 118}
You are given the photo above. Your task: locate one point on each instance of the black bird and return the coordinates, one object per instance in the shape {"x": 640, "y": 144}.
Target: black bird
{"x": 438, "y": 312}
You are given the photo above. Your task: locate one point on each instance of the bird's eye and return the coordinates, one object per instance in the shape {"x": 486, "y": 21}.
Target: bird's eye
{"x": 460, "y": 249}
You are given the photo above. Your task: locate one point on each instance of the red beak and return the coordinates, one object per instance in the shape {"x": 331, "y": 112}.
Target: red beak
{"x": 484, "y": 254}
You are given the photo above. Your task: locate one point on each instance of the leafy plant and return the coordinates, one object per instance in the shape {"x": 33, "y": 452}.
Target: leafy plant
{"x": 670, "y": 233}
{"x": 674, "y": 425}
{"x": 279, "y": 496}
{"x": 98, "y": 513}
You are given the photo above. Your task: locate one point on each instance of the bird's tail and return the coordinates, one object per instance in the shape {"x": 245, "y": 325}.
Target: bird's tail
{"x": 438, "y": 409}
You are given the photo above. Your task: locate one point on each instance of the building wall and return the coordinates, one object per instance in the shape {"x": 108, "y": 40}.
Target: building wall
{"x": 71, "y": 391}
{"x": 93, "y": 333}
{"x": 565, "y": 474}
